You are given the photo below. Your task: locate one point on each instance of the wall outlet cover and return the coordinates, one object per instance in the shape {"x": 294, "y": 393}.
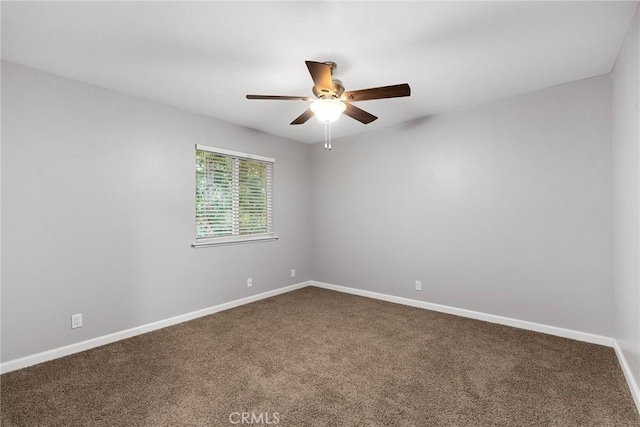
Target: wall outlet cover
{"x": 76, "y": 321}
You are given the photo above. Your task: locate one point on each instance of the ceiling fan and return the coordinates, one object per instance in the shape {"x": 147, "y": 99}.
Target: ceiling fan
{"x": 331, "y": 100}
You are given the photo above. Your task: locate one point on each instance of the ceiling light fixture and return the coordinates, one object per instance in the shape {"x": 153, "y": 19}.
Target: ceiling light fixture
{"x": 327, "y": 110}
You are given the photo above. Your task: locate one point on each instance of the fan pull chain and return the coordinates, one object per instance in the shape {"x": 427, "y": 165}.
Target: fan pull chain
{"x": 327, "y": 135}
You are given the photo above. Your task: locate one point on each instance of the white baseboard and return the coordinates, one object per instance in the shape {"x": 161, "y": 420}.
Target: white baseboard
{"x": 522, "y": 324}
{"x": 628, "y": 375}
{"x": 492, "y": 318}
{"x": 56, "y": 353}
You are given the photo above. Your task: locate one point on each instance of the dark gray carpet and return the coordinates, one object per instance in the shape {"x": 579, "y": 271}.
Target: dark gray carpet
{"x": 321, "y": 358}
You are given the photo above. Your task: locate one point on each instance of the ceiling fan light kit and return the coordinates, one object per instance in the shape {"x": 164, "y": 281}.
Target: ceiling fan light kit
{"x": 332, "y": 100}
{"x": 327, "y": 110}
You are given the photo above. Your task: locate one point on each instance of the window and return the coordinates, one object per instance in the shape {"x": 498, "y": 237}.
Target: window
{"x": 234, "y": 197}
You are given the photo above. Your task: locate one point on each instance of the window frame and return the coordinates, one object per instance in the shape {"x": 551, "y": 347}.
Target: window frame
{"x": 245, "y": 238}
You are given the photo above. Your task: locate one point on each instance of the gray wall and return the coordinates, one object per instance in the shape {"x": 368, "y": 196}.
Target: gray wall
{"x": 98, "y": 213}
{"x": 626, "y": 184}
{"x": 504, "y": 208}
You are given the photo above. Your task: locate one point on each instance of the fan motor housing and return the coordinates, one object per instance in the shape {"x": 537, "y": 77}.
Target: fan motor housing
{"x": 338, "y": 90}
{"x": 338, "y": 87}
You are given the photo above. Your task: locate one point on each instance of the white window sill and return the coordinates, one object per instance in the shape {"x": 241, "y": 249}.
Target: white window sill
{"x": 232, "y": 240}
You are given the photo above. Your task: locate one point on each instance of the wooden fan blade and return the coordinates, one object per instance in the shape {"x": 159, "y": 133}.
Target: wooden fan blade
{"x": 280, "y": 97}
{"x": 358, "y": 114}
{"x": 393, "y": 91}
{"x": 302, "y": 118}
{"x": 321, "y": 75}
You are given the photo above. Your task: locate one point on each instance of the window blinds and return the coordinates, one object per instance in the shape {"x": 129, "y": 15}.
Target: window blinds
{"x": 234, "y": 194}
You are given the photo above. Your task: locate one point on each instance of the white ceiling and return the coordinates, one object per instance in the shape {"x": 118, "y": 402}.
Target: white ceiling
{"x": 205, "y": 56}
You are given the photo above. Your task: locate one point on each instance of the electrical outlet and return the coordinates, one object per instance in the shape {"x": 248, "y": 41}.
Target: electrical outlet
{"x": 418, "y": 285}
{"x": 249, "y": 282}
{"x": 76, "y": 321}
{"x": 293, "y": 273}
